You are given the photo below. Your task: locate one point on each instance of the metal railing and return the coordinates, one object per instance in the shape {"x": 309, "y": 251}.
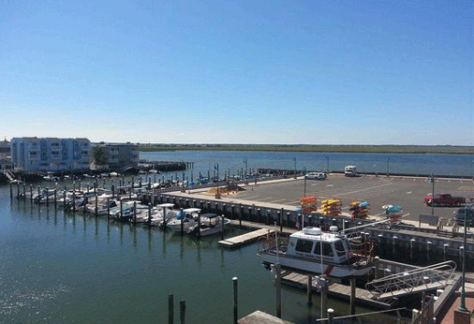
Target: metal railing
{"x": 411, "y": 281}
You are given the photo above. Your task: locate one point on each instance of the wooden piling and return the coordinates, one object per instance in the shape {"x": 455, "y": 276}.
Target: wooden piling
{"x": 278, "y": 289}
{"x": 182, "y": 312}
{"x": 182, "y": 221}
{"x": 11, "y": 190}
{"x": 121, "y": 209}
{"x": 222, "y": 227}
{"x": 170, "y": 309}
{"x": 134, "y": 211}
{"x": 108, "y": 207}
{"x": 309, "y": 291}
{"x": 96, "y": 201}
{"x": 47, "y": 197}
{"x": 55, "y": 199}
{"x": 281, "y": 219}
{"x": 330, "y": 316}
{"x": 24, "y": 191}
{"x": 31, "y": 193}
{"x": 149, "y": 214}
{"x": 73, "y": 197}
{"x": 353, "y": 296}
{"x": 236, "y": 300}
{"x": 18, "y": 191}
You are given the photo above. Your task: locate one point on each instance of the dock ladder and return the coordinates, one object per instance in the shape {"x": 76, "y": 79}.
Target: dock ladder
{"x": 413, "y": 281}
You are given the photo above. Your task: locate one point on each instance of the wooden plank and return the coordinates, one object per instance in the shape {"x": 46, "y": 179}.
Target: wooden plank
{"x": 337, "y": 290}
{"x": 244, "y": 238}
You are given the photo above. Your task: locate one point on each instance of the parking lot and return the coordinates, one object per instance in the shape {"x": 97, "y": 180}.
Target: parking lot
{"x": 408, "y": 192}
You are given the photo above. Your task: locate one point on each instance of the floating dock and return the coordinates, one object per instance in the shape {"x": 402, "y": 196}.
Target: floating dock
{"x": 247, "y": 238}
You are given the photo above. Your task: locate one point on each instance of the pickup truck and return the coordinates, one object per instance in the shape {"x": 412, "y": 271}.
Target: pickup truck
{"x": 443, "y": 199}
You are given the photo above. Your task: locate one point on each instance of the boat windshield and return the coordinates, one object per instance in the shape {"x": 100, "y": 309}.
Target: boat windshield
{"x": 339, "y": 248}
{"x": 304, "y": 246}
{"x": 327, "y": 249}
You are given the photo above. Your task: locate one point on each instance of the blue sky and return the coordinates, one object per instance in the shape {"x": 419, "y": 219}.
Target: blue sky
{"x": 309, "y": 72}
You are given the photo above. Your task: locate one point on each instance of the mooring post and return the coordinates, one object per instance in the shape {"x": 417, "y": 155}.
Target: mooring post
{"x": 240, "y": 215}
{"x": 222, "y": 226}
{"x": 236, "y": 300}
{"x": 377, "y": 267}
{"x": 108, "y": 207}
{"x": 182, "y": 221}
{"x": 31, "y": 193}
{"x": 24, "y": 191}
{"x": 134, "y": 211}
{"x": 182, "y": 312}
{"x": 18, "y": 191}
{"x": 74, "y": 197}
{"x": 11, "y": 190}
{"x": 278, "y": 289}
{"x": 64, "y": 196}
{"x": 164, "y": 219}
{"x": 55, "y": 199}
{"x": 324, "y": 297}
{"x": 199, "y": 225}
{"x": 353, "y": 293}
{"x": 170, "y": 309}
{"x": 281, "y": 220}
{"x": 309, "y": 291}
{"x": 96, "y": 201}
{"x": 121, "y": 210}
{"x": 330, "y": 316}
{"x": 47, "y": 197}
{"x": 113, "y": 190}
{"x": 149, "y": 214}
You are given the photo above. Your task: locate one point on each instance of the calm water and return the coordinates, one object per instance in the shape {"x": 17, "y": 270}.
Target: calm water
{"x": 233, "y": 161}
{"x": 57, "y": 268}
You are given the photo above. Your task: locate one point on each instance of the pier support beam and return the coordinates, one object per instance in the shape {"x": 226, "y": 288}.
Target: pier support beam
{"x": 278, "y": 289}
{"x": 353, "y": 295}
{"x": 309, "y": 291}
{"x": 236, "y": 300}
{"x": 170, "y": 309}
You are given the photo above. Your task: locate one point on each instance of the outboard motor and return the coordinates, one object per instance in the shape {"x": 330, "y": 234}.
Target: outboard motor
{"x": 194, "y": 230}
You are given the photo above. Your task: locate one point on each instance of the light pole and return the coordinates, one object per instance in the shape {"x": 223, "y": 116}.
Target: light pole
{"x": 388, "y": 161}
{"x": 294, "y": 160}
{"x": 432, "y": 194}
{"x": 462, "y": 304}
{"x": 245, "y": 162}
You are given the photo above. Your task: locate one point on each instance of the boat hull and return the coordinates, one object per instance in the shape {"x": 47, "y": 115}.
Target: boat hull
{"x": 313, "y": 267}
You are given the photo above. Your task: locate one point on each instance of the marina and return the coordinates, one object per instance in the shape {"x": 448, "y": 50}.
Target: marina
{"x": 256, "y": 217}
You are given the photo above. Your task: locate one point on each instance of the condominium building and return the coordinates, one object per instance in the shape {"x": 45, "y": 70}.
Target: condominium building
{"x": 121, "y": 155}
{"x": 50, "y": 154}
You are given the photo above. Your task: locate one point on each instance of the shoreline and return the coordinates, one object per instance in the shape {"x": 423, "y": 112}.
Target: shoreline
{"x": 397, "y": 149}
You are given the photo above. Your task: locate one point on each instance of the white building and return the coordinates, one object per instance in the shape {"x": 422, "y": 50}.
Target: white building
{"x": 50, "y": 154}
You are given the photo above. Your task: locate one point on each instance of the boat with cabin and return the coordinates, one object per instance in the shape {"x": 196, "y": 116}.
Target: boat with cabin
{"x": 312, "y": 251}
{"x": 209, "y": 224}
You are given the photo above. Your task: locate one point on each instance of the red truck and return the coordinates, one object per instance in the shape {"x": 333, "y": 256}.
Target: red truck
{"x": 444, "y": 199}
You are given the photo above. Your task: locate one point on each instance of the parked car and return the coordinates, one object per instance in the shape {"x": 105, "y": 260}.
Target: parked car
{"x": 464, "y": 212}
{"x": 443, "y": 199}
{"x": 316, "y": 176}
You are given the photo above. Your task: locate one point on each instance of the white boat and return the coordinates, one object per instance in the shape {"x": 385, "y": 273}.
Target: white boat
{"x": 187, "y": 216}
{"x": 210, "y": 224}
{"x": 314, "y": 252}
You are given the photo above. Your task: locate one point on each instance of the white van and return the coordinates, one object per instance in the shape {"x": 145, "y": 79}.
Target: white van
{"x": 350, "y": 171}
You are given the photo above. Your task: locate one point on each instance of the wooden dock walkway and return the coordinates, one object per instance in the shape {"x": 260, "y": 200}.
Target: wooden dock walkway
{"x": 337, "y": 290}
{"x": 240, "y": 240}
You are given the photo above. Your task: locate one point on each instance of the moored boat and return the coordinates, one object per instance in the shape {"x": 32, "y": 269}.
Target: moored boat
{"x": 315, "y": 252}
